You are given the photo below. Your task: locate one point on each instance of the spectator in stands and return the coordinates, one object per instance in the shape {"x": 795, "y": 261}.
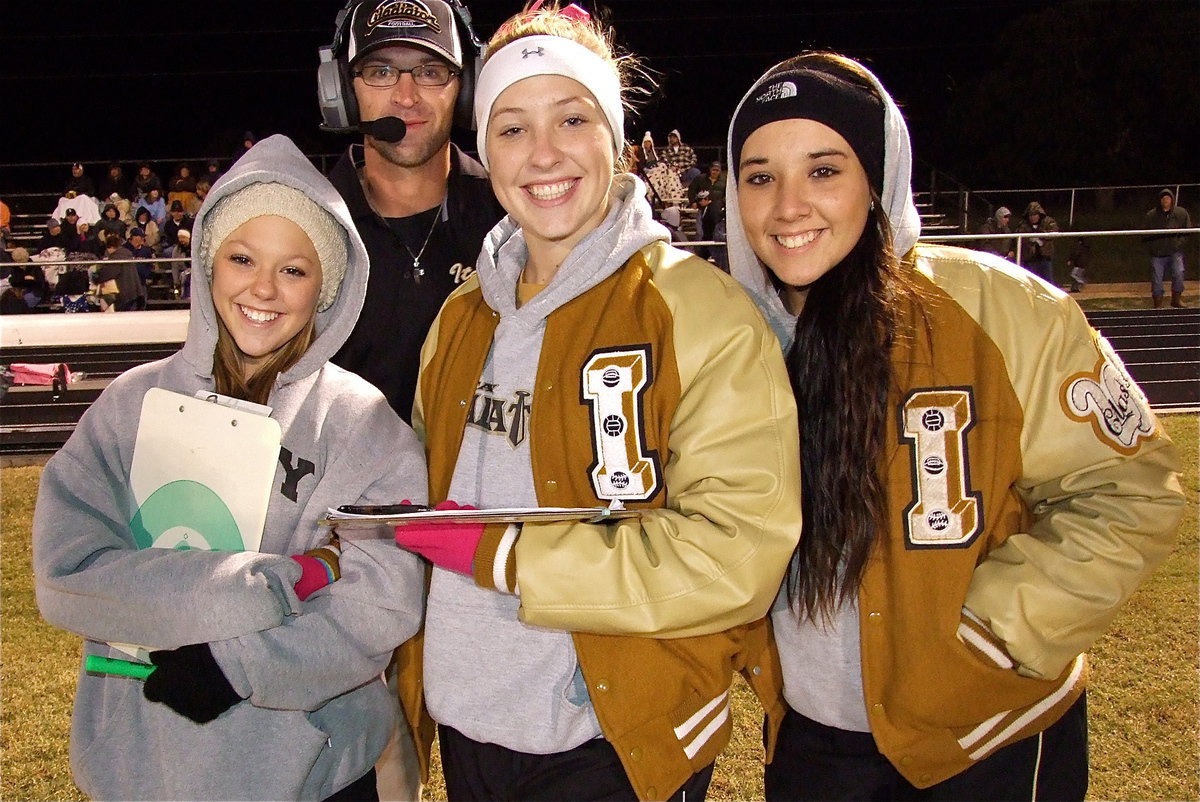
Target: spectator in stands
{"x": 54, "y": 236}
{"x": 145, "y": 180}
{"x": 649, "y": 154}
{"x": 140, "y": 250}
{"x": 248, "y": 140}
{"x": 79, "y": 183}
{"x": 5, "y": 218}
{"x": 1166, "y": 250}
{"x": 84, "y": 240}
{"x": 180, "y": 271}
{"x": 71, "y": 290}
{"x": 145, "y": 221}
{"x": 680, "y": 158}
{"x": 27, "y": 279}
{"x": 212, "y": 171}
{"x": 131, "y": 292}
{"x": 706, "y": 194}
{"x": 182, "y": 186}
{"x": 665, "y": 190}
{"x": 1037, "y": 253}
{"x": 110, "y": 223}
{"x": 192, "y": 207}
{"x": 84, "y": 205}
{"x": 70, "y": 224}
{"x": 177, "y": 220}
{"x": 182, "y": 180}
{"x": 114, "y": 182}
{"x": 155, "y": 204}
{"x": 998, "y": 223}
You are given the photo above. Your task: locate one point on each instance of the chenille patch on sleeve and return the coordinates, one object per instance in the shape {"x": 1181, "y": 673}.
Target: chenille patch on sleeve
{"x": 1108, "y": 399}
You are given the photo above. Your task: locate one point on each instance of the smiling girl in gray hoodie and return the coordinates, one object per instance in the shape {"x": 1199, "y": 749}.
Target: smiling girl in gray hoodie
{"x": 259, "y": 693}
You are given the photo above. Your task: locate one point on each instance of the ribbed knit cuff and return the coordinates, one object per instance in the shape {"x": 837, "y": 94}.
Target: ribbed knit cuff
{"x": 977, "y": 637}
{"x": 495, "y": 564}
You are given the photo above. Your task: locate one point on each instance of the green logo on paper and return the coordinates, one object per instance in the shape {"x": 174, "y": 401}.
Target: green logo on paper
{"x": 186, "y": 515}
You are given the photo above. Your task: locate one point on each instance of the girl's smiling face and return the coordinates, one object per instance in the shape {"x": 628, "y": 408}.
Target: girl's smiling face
{"x": 265, "y": 285}
{"x": 551, "y": 157}
{"x": 804, "y": 199}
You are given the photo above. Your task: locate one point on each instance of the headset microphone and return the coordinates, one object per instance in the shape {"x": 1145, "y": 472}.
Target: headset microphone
{"x": 386, "y": 129}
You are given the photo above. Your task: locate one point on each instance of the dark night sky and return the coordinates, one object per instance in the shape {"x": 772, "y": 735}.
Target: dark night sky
{"x": 99, "y": 82}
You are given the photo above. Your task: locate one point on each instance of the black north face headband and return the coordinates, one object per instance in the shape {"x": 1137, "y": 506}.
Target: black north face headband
{"x": 850, "y": 110}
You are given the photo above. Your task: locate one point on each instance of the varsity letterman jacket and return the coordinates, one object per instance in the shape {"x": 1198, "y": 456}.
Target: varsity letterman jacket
{"x": 666, "y": 361}
{"x": 1030, "y": 490}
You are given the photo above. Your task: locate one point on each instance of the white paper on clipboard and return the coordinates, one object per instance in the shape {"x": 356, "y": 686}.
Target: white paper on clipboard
{"x": 202, "y": 476}
{"x": 202, "y": 473}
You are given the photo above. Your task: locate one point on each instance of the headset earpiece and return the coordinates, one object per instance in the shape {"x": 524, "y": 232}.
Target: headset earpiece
{"x": 335, "y": 85}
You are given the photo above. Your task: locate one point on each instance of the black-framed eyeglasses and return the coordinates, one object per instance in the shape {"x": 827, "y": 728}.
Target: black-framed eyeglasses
{"x": 381, "y": 76}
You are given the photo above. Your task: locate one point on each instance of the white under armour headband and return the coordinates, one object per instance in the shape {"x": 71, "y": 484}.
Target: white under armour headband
{"x": 548, "y": 55}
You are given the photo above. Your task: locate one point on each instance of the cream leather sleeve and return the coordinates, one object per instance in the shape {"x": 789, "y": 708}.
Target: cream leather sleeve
{"x": 1100, "y": 478}
{"x": 714, "y": 557}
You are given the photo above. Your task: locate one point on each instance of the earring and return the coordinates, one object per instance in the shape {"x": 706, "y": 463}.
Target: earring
{"x": 871, "y": 208}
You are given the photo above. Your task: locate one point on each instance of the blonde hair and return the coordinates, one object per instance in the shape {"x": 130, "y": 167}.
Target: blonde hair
{"x": 549, "y": 20}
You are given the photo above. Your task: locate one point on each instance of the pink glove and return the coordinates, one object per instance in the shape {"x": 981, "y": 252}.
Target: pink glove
{"x": 451, "y": 546}
{"x": 318, "y": 568}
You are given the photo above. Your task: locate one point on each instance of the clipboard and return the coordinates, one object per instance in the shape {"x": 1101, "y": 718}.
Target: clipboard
{"x": 202, "y": 473}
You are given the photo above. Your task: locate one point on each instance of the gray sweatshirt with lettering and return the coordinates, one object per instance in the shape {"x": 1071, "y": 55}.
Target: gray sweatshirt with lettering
{"x": 315, "y": 714}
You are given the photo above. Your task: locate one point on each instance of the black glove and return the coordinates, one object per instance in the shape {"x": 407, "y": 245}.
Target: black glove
{"x": 189, "y": 681}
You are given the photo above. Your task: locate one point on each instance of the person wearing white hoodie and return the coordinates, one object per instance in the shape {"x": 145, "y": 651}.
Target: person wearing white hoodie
{"x": 984, "y": 485}
{"x": 589, "y": 362}
{"x": 267, "y": 681}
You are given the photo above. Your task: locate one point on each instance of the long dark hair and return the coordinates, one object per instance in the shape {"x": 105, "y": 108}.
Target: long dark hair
{"x": 840, "y": 369}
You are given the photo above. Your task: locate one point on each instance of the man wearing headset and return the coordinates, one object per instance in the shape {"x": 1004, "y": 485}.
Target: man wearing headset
{"x": 400, "y": 73}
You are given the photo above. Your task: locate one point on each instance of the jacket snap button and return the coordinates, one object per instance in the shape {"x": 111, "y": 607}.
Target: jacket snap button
{"x": 875, "y": 618}
{"x": 602, "y": 686}
{"x": 551, "y": 485}
{"x": 756, "y": 670}
{"x": 925, "y": 778}
{"x": 652, "y": 792}
{"x": 635, "y": 753}
{"x": 549, "y": 387}
{"x": 906, "y": 760}
{"x": 877, "y": 708}
{"x": 462, "y": 403}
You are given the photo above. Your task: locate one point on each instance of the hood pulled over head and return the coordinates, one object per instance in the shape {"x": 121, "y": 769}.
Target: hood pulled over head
{"x": 894, "y": 188}
{"x": 275, "y": 178}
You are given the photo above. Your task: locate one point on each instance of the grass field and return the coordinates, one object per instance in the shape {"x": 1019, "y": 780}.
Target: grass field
{"x": 1144, "y": 701}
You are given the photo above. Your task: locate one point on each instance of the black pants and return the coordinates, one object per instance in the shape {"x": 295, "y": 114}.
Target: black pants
{"x": 816, "y": 762}
{"x": 361, "y": 790}
{"x": 592, "y": 771}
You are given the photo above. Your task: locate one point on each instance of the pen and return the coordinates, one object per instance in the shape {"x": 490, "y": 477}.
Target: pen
{"x": 121, "y": 668}
{"x": 382, "y": 509}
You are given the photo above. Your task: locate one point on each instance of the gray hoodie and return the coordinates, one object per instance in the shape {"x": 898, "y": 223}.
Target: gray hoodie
{"x": 315, "y": 714}
{"x": 817, "y": 662}
{"x": 530, "y": 695}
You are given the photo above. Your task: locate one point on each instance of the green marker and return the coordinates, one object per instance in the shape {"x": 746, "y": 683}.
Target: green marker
{"x": 121, "y": 668}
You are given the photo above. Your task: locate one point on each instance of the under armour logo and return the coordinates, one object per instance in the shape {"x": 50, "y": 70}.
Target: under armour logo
{"x": 527, "y": 53}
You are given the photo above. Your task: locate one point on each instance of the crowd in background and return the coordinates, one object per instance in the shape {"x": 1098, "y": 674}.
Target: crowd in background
{"x": 98, "y": 248}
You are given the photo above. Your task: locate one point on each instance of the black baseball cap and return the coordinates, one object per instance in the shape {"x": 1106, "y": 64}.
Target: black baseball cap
{"x": 424, "y": 23}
